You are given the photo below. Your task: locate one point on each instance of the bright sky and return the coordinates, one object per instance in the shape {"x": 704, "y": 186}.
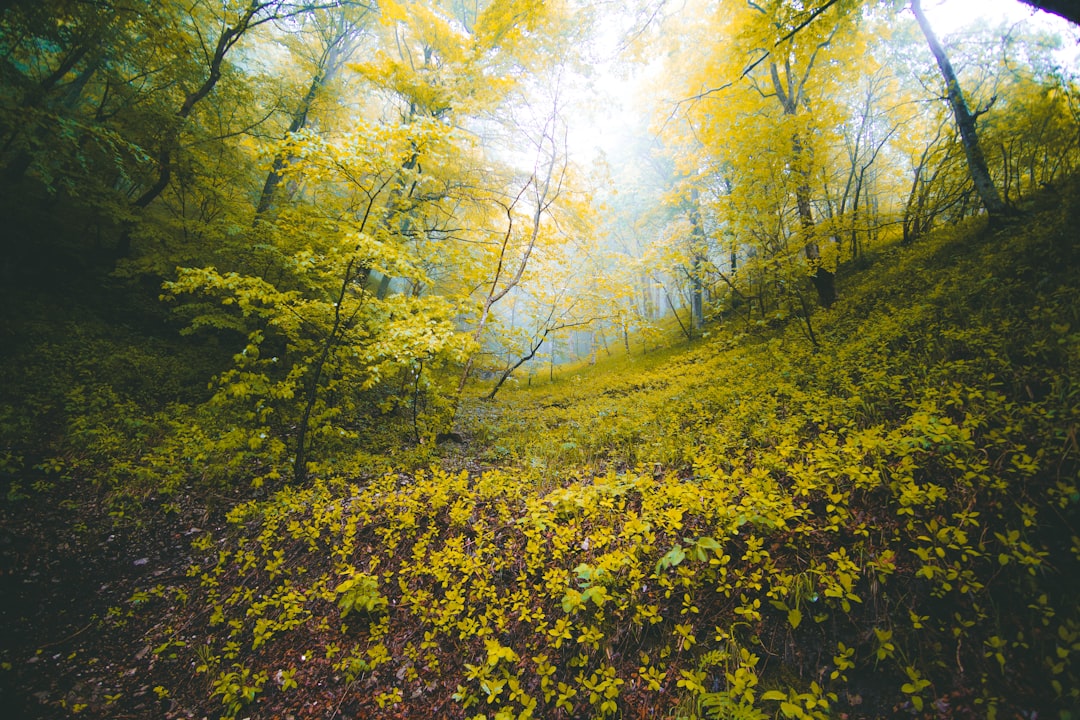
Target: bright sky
{"x": 950, "y": 15}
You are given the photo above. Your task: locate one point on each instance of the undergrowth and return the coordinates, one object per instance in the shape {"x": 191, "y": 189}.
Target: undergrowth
{"x": 750, "y": 528}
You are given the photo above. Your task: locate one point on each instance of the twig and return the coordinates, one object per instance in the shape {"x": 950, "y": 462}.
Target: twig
{"x": 344, "y": 695}
{"x": 69, "y": 637}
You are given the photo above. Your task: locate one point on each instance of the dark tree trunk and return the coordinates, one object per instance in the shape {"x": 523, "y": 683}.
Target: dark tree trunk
{"x": 965, "y": 121}
{"x": 273, "y": 179}
{"x": 521, "y": 361}
{"x": 18, "y": 166}
{"x": 789, "y": 95}
{"x": 171, "y": 140}
{"x": 823, "y": 279}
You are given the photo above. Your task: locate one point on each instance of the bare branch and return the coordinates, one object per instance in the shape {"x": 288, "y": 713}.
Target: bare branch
{"x": 813, "y": 16}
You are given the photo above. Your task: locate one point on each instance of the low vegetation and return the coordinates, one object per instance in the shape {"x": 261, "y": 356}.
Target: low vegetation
{"x": 744, "y": 527}
{"x": 537, "y": 358}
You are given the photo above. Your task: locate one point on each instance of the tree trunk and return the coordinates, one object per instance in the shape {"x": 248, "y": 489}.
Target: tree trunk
{"x": 789, "y": 95}
{"x": 299, "y": 120}
{"x": 910, "y": 219}
{"x": 688, "y": 332}
{"x": 353, "y": 275}
{"x": 697, "y": 251}
{"x": 521, "y": 361}
{"x": 965, "y": 121}
{"x": 823, "y": 279}
{"x": 24, "y": 158}
{"x": 171, "y": 141}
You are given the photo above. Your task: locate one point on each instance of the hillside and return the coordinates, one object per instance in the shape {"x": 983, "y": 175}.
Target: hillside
{"x": 745, "y": 527}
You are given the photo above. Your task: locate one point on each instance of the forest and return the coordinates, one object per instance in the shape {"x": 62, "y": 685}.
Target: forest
{"x": 509, "y": 359}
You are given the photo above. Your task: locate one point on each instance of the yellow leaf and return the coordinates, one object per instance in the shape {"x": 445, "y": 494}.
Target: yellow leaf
{"x": 392, "y": 12}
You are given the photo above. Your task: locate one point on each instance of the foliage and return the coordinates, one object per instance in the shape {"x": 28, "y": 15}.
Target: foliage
{"x": 257, "y": 248}
{"x": 360, "y": 593}
{"x": 649, "y": 537}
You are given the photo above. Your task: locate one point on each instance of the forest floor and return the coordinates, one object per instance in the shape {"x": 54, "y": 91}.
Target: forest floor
{"x": 746, "y": 526}
{"x": 64, "y": 566}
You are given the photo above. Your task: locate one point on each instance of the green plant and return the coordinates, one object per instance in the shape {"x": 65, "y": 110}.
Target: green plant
{"x": 238, "y": 688}
{"x": 360, "y": 593}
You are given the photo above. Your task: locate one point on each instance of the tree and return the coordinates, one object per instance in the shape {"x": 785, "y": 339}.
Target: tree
{"x": 1062, "y": 8}
{"x": 853, "y": 208}
{"x": 789, "y": 87}
{"x": 550, "y": 309}
{"x": 775, "y": 80}
{"x": 939, "y": 180}
{"x": 965, "y": 121}
{"x": 327, "y": 39}
{"x": 1030, "y": 139}
{"x": 77, "y": 40}
{"x": 235, "y": 22}
{"x": 319, "y": 336}
{"x": 81, "y": 92}
{"x": 511, "y": 259}
{"x": 403, "y": 195}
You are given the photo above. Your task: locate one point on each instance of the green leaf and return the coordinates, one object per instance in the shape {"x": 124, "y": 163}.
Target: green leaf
{"x": 791, "y": 710}
{"x": 572, "y": 600}
{"x": 674, "y": 557}
{"x": 597, "y": 594}
{"x": 708, "y": 543}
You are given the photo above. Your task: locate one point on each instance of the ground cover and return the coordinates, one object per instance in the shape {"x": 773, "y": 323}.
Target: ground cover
{"x": 747, "y": 527}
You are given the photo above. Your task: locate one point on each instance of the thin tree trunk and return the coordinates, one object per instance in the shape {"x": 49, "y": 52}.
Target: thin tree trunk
{"x": 415, "y": 402}
{"x": 697, "y": 235}
{"x": 495, "y": 294}
{"x": 790, "y": 95}
{"x": 823, "y": 279}
{"x": 687, "y": 332}
{"x": 965, "y": 121}
{"x": 337, "y": 329}
{"x": 510, "y": 370}
{"x": 533, "y": 349}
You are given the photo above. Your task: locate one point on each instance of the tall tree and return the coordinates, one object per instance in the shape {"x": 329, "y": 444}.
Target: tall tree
{"x": 327, "y": 40}
{"x": 234, "y": 22}
{"x": 789, "y": 88}
{"x": 317, "y": 337}
{"x": 511, "y": 259}
{"x": 965, "y": 120}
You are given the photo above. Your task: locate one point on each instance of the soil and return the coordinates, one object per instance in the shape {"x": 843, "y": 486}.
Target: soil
{"x": 69, "y": 638}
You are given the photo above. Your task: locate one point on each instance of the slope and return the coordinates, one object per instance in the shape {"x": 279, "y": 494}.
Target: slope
{"x": 751, "y": 527}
